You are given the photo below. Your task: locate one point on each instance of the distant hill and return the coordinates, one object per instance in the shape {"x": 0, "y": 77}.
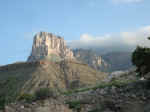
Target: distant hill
{"x": 118, "y": 60}
{"x": 108, "y": 62}
{"x": 91, "y": 58}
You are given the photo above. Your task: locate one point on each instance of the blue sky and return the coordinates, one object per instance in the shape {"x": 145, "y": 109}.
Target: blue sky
{"x": 75, "y": 20}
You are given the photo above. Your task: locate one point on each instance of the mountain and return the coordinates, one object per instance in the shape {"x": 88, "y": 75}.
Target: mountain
{"x": 74, "y": 86}
{"x": 108, "y": 62}
{"x": 49, "y": 46}
{"x": 50, "y": 65}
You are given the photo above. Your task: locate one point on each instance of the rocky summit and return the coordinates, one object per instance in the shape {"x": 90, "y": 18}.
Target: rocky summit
{"x": 49, "y": 46}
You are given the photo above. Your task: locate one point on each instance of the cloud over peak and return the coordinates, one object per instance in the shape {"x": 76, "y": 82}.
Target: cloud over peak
{"x": 122, "y": 41}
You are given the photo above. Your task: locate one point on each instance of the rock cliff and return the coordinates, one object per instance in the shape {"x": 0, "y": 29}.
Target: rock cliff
{"x": 49, "y": 46}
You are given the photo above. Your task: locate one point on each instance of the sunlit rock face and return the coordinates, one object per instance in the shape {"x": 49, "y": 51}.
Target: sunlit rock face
{"x": 47, "y": 45}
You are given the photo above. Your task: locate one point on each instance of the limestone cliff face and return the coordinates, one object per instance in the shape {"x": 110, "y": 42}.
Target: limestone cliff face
{"x": 47, "y": 45}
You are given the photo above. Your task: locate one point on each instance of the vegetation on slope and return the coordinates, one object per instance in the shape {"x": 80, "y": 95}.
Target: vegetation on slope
{"x": 22, "y": 78}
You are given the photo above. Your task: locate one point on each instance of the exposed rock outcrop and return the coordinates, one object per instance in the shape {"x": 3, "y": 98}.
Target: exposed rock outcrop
{"x": 49, "y": 46}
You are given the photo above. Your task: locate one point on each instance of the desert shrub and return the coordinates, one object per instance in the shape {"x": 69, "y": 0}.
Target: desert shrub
{"x": 76, "y": 105}
{"x": 95, "y": 110}
{"x": 26, "y": 97}
{"x": 44, "y": 93}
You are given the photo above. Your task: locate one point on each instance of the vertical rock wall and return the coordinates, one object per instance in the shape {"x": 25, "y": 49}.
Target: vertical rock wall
{"x": 46, "y": 44}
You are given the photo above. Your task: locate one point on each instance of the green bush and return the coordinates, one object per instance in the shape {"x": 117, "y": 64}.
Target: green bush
{"x": 2, "y": 102}
{"x": 43, "y": 93}
{"x": 76, "y": 105}
{"x": 140, "y": 58}
{"x": 40, "y": 94}
{"x": 95, "y": 110}
{"x": 26, "y": 97}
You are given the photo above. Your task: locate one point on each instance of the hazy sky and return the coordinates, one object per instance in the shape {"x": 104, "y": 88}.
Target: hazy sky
{"x": 82, "y": 23}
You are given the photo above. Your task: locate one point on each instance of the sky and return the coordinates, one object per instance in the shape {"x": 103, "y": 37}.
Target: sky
{"x": 116, "y": 24}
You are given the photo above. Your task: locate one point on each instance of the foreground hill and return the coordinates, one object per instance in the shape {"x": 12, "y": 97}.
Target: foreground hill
{"x": 132, "y": 96}
{"x": 112, "y": 97}
{"x": 59, "y": 76}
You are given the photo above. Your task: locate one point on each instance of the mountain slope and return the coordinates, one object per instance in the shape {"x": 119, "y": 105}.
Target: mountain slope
{"x": 60, "y": 76}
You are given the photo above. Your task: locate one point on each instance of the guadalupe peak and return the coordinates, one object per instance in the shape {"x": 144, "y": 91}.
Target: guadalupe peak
{"x": 49, "y": 46}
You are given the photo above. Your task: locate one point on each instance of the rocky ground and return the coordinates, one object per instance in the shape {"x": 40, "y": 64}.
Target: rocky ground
{"x": 49, "y": 105}
{"x": 112, "y": 97}
{"x": 132, "y": 97}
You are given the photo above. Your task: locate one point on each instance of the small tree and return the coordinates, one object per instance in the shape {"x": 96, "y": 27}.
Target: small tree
{"x": 43, "y": 93}
{"x": 2, "y": 102}
{"x": 141, "y": 59}
{"x": 26, "y": 97}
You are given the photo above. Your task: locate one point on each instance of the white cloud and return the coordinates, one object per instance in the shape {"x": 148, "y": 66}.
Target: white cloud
{"x": 121, "y": 41}
{"x": 126, "y": 1}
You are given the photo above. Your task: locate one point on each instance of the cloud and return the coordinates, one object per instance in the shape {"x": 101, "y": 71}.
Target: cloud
{"x": 122, "y": 41}
{"x": 126, "y": 1}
